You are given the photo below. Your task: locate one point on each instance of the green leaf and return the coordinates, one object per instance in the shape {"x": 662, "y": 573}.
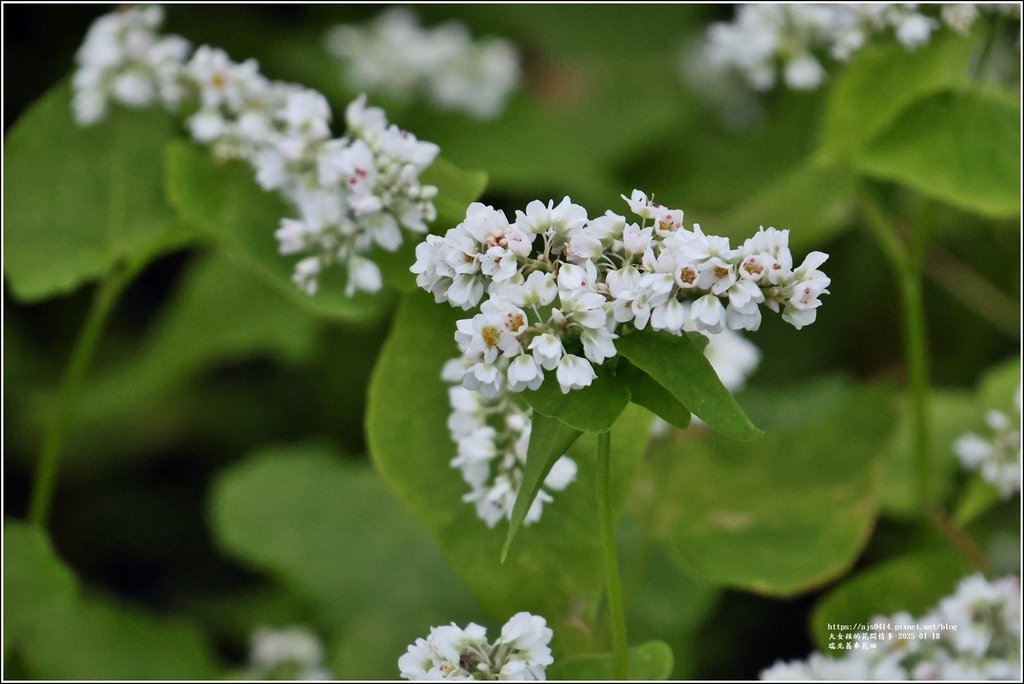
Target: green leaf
{"x": 679, "y": 365}
{"x": 224, "y": 200}
{"x": 101, "y": 639}
{"x": 332, "y": 532}
{"x": 651, "y": 661}
{"x": 591, "y": 409}
{"x": 549, "y": 439}
{"x": 787, "y": 514}
{"x": 952, "y": 414}
{"x": 553, "y": 570}
{"x": 647, "y": 393}
{"x": 79, "y": 201}
{"x": 812, "y": 201}
{"x": 36, "y": 584}
{"x": 914, "y": 582}
{"x": 60, "y": 634}
{"x": 882, "y": 80}
{"x": 456, "y": 190}
{"x": 958, "y": 146}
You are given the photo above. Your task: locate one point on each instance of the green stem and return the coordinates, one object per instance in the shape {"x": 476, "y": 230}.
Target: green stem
{"x": 70, "y": 389}
{"x": 907, "y": 263}
{"x": 616, "y": 608}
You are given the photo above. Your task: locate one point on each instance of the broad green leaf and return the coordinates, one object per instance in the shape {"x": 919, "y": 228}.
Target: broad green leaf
{"x": 880, "y": 81}
{"x": 60, "y": 634}
{"x": 224, "y": 200}
{"x": 643, "y": 390}
{"x": 554, "y": 568}
{"x": 812, "y": 201}
{"x": 679, "y": 365}
{"x": 999, "y": 386}
{"x": 331, "y": 531}
{"x": 978, "y": 496}
{"x": 953, "y": 412}
{"x": 591, "y": 409}
{"x": 958, "y": 146}
{"x": 785, "y": 514}
{"x": 914, "y": 582}
{"x": 37, "y": 585}
{"x": 456, "y": 190}
{"x": 651, "y": 661}
{"x": 78, "y": 201}
{"x": 101, "y": 639}
{"x": 549, "y": 439}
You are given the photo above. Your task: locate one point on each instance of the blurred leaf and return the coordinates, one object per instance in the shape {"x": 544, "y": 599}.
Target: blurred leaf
{"x": 99, "y": 639}
{"x": 643, "y": 390}
{"x": 331, "y": 530}
{"x": 225, "y": 200}
{"x": 785, "y": 514}
{"x": 999, "y": 386}
{"x": 62, "y": 635}
{"x": 880, "y": 81}
{"x": 812, "y": 202}
{"x": 591, "y": 409}
{"x": 552, "y": 570}
{"x": 978, "y": 496}
{"x": 914, "y": 582}
{"x": 952, "y": 412}
{"x": 36, "y": 584}
{"x": 678, "y": 364}
{"x": 788, "y": 407}
{"x": 79, "y": 201}
{"x": 549, "y": 439}
{"x": 456, "y": 190}
{"x": 958, "y": 146}
{"x": 651, "y": 661}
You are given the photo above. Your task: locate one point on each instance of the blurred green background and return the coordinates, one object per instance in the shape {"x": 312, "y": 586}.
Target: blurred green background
{"x": 216, "y": 475}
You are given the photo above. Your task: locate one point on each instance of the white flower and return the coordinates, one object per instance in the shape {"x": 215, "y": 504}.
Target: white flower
{"x": 287, "y": 653}
{"x": 574, "y": 372}
{"x": 998, "y": 455}
{"x": 522, "y": 652}
{"x": 395, "y": 56}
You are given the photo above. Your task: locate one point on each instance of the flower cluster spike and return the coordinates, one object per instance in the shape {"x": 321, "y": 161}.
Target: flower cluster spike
{"x": 558, "y": 287}
{"x": 973, "y": 634}
{"x": 998, "y": 455}
{"x": 452, "y": 653}
{"x": 764, "y": 39}
{"x": 350, "y": 194}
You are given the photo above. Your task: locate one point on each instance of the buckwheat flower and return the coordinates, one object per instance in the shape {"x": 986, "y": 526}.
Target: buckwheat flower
{"x": 449, "y": 652}
{"x": 574, "y": 372}
{"x": 286, "y": 653}
{"x": 979, "y": 639}
{"x": 395, "y": 56}
{"x": 795, "y": 36}
{"x": 492, "y": 435}
{"x": 998, "y": 455}
{"x": 123, "y": 60}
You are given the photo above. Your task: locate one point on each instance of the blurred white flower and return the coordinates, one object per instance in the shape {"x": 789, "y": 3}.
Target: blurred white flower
{"x": 997, "y": 456}
{"x": 287, "y": 653}
{"x": 394, "y": 56}
{"x": 978, "y": 627}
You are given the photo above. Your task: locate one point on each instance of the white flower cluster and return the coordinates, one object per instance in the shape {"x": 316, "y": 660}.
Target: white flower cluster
{"x": 350, "y": 194}
{"x": 397, "y": 57}
{"x": 492, "y": 436}
{"x": 288, "y": 653}
{"x": 450, "y": 652}
{"x": 766, "y": 38}
{"x": 558, "y": 283}
{"x": 997, "y": 456}
{"x": 979, "y": 639}
{"x": 124, "y": 60}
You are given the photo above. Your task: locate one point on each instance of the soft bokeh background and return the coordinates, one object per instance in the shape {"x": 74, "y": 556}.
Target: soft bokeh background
{"x": 216, "y": 475}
